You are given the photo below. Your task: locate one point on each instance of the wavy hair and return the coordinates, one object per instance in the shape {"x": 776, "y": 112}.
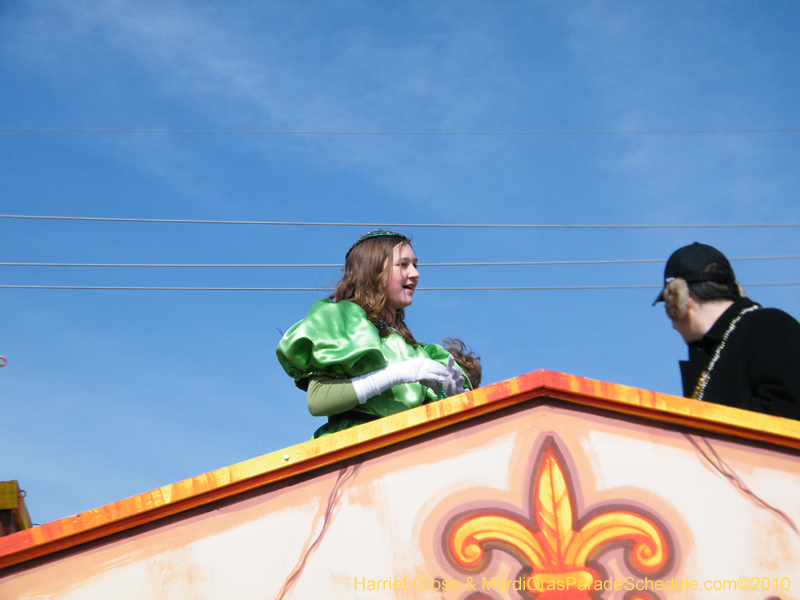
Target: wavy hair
{"x": 367, "y": 268}
{"x": 469, "y": 362}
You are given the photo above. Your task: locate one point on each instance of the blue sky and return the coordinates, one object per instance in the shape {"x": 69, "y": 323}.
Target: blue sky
{"x": 113, "y": 393}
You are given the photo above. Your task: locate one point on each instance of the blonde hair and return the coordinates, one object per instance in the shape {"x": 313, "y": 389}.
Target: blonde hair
{"x": 367, "y": 268}
{"x": 676, "y": 299}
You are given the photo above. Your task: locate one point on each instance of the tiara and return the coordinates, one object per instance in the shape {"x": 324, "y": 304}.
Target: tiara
{"x": 373, "y": 234}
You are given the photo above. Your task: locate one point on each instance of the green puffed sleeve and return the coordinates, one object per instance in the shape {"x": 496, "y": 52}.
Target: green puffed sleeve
{"x": 335, "y": 339}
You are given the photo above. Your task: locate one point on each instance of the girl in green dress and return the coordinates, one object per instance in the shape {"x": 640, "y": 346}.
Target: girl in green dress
{"x": 353, "y": 353}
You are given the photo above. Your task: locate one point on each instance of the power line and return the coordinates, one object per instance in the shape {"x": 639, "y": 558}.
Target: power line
{"x": 394, "y": 133}
{"x": 318, "y": 289}
{"x": 385, "y": 224}
{"x": 175, "y": 265}
{"x": 339, "y": 265}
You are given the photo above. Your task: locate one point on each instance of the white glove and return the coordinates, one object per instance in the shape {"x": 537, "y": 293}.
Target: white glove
{"x": 428, "y": 372}
{"x": 453, "y": 384}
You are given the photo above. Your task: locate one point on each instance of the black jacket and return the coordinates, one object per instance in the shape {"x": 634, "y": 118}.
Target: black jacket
{"x": 759, "y": 366}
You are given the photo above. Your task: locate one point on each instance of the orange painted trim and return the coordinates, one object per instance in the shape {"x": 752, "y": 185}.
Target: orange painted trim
{"x": 308, "y": 456}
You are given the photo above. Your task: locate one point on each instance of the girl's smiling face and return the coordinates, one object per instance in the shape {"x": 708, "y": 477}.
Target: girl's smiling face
{"x": 403, "y": 277}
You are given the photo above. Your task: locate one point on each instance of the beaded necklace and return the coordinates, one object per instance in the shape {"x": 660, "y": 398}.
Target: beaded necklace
{"x": 702, "y": 383}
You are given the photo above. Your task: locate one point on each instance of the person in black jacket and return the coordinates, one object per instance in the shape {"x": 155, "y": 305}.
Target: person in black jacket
{"x": 740, "y": 354}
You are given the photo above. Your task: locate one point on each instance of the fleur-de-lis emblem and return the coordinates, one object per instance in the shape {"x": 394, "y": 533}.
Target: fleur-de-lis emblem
{"x": 554, "y": 554}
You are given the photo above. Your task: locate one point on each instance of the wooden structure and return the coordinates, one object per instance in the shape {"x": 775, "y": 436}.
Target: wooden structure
{"x": 13, "y": 512}
{"x": 543, "y": 486}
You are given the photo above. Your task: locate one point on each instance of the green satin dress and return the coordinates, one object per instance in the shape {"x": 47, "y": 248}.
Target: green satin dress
{"x": 335, "y": 339}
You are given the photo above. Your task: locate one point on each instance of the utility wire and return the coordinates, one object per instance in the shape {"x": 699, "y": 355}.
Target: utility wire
{"x": 176, "y": 265}
{"x": 385, "y": 224}
{"x": 454, "y": 133}
{"x": 318, "y": 289}
{"x": 339, "y": 265}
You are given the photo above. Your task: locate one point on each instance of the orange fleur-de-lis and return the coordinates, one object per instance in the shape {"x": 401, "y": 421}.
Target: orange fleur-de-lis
{"x": 553, "y": 552}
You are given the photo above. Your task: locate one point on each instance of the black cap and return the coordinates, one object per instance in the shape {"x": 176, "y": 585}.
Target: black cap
{"x": 689, "y": 263}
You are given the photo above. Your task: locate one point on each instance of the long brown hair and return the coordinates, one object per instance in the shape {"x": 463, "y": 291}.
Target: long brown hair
{"x": 366, "y": 271}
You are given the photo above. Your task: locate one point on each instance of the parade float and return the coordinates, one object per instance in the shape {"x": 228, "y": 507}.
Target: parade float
{"x": 542, "y": 486}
